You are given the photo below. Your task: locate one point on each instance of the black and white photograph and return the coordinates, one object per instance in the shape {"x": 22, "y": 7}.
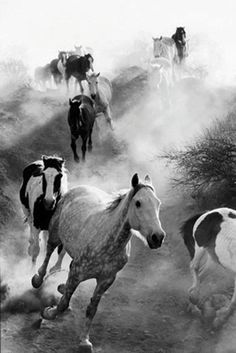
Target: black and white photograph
{"x": 118, "y": 176}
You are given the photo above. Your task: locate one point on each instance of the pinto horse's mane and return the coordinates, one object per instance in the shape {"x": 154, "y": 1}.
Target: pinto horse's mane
{"x": 53, "y": 162}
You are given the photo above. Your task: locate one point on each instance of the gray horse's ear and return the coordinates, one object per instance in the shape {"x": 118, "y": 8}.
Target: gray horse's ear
{"x": 98, "y": 74}
{"x": 148, "y": 180}
{"x": 62, "y": 160}
{"x": 135, "y": 180}
{"x": 44, "y": 158}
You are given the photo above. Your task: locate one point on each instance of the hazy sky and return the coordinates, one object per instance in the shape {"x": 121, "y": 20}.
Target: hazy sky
{"x": 37, "y": 29}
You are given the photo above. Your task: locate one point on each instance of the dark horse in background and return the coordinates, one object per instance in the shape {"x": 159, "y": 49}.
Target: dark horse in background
{"x": 180, "y": 41}
{"x": 81, "y": 118}
{"x": 78, "y": 66}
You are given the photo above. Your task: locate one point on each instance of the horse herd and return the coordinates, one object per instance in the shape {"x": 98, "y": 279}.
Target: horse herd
{"x": 95, "y": 228}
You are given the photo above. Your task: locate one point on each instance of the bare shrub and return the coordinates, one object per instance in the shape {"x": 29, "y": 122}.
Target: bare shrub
{"x": 207, "y": 167}
{"x": 14, "y": 72}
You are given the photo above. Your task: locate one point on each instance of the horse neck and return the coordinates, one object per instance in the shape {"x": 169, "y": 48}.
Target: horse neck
{"x": 98, "y": 95}
{"x": 119, "y": 227}
{"x": 64, "y": 184}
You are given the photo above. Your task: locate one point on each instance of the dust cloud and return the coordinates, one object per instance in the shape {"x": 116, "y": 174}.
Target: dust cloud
{"x": 142, "y": 131}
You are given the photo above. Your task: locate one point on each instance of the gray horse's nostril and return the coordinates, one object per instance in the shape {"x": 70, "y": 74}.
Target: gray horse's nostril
{"x": 154, "y": 238}
{"x": 157, "y": 239}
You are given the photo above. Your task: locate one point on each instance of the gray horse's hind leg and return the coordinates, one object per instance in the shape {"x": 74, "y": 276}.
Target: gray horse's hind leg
{"x": 68, "y": 289}
{"x": 102, "y": 285}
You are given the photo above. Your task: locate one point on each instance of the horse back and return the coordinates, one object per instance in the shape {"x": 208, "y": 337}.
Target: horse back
{"x": 77, "y": 216}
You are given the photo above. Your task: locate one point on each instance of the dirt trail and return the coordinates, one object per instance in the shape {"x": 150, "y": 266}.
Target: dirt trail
{"x": 146, "y": 309}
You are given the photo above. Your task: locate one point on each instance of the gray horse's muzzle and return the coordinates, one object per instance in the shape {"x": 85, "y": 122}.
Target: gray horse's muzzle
{"x": 155, "y": 240}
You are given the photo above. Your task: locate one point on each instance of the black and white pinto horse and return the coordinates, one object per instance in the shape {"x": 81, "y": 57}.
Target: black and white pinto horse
{"x": 44, "y": 182}
{"x": 78, "y": 67}
{"x": 81, "y": 118}
{"x": 212, "y": 233}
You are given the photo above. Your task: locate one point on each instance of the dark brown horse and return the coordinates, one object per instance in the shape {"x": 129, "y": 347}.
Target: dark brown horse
{"x": 78, "y": 67}
{"x": 179, "y": 38}
{"x": 81, "y": 118}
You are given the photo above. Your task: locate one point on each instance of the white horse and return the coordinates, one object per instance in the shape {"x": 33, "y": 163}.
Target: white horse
{"x": 44, "y": 182}
{"x": 212, "y": 233}
{"x": 165, "y": 47}
{"x": 95, "y": 230}
{"x": 101, "y": 92}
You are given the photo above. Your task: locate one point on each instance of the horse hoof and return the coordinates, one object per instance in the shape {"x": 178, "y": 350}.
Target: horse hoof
{"x": 61, "y": 288}
{"x": 36, "y": 281}
{"x": 85, "y": 347}
{"x": 49, "y": 313}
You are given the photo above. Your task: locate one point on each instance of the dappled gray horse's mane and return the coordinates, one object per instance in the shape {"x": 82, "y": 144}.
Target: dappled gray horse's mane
{"x": 115, "y": 203}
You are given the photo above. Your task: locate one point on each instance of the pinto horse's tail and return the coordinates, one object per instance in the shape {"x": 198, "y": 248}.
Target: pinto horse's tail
{"x": 186, "y": 231}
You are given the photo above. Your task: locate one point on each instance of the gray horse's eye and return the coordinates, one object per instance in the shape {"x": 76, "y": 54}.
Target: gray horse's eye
{"x": 138, "y": 204}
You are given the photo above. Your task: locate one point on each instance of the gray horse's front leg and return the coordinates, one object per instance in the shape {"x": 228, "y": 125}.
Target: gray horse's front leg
{"x": 102, "y": 285}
